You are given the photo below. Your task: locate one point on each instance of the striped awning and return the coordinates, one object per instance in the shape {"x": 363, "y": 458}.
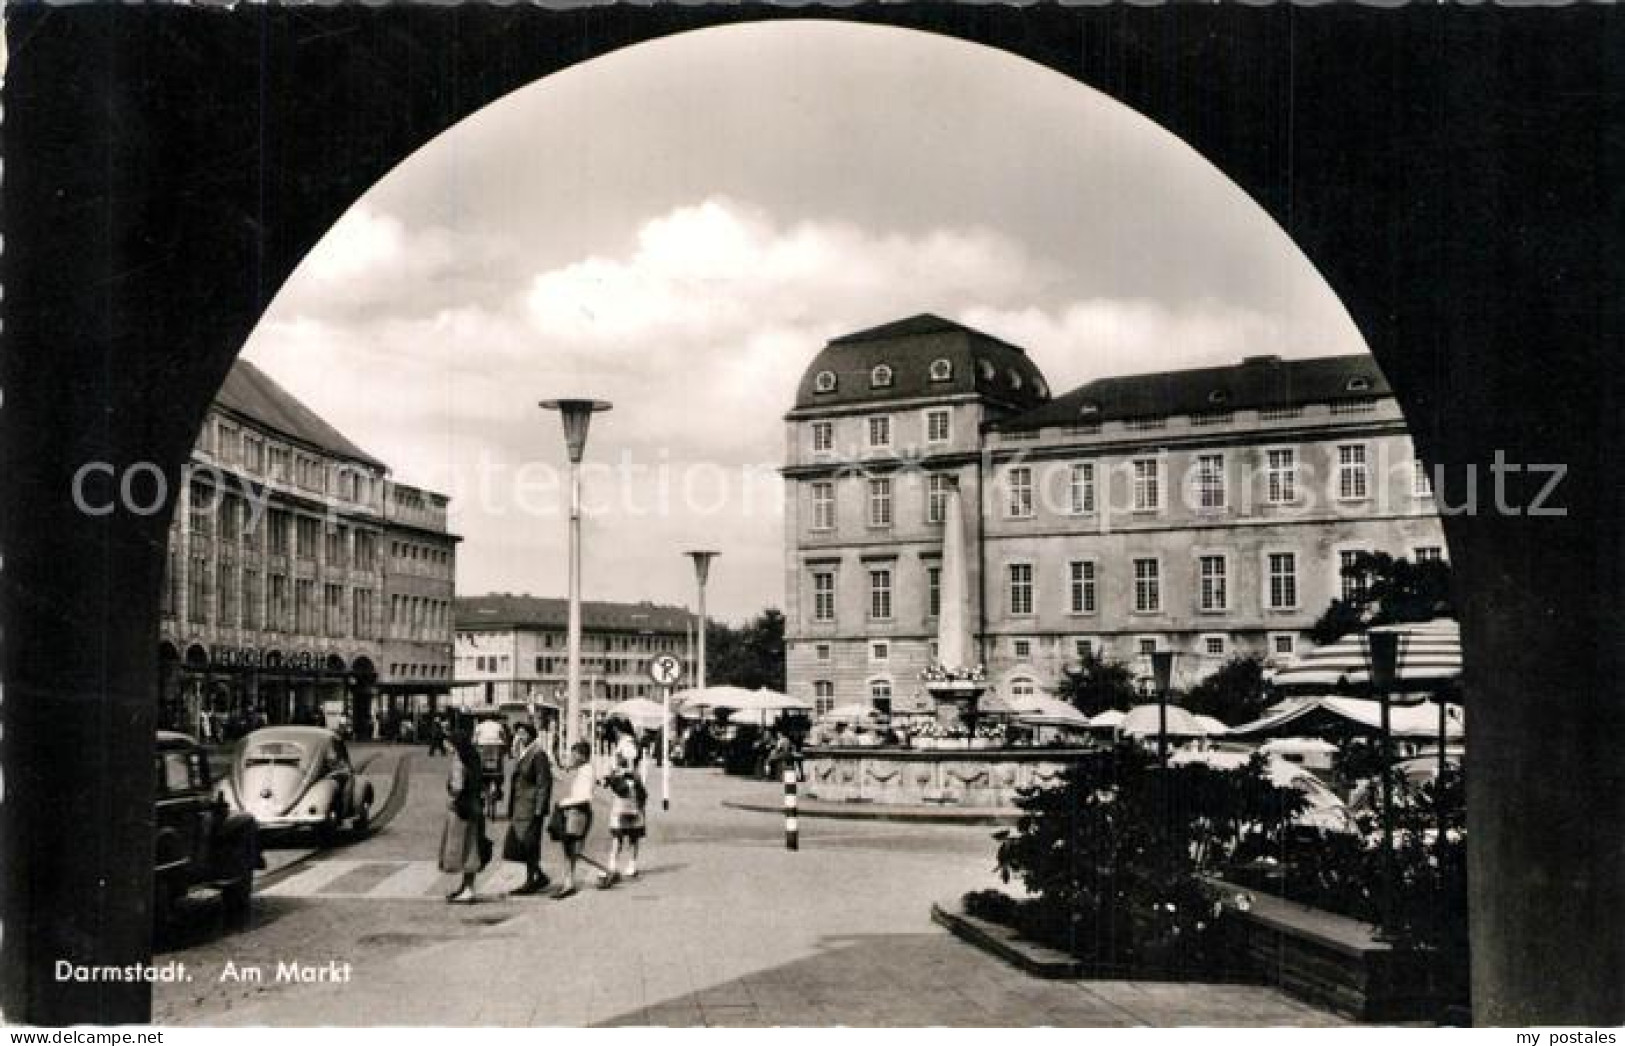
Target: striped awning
{"x": 1429, "y": 652}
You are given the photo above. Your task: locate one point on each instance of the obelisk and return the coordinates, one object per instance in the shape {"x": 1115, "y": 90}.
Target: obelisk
{"x": 955, "y": 681}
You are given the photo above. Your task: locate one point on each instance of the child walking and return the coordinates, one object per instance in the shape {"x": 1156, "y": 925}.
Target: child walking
{"x": 626, "y": 823}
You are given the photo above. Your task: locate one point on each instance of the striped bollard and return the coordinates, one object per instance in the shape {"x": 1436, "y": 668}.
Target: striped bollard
{"x": 792, "y": 832}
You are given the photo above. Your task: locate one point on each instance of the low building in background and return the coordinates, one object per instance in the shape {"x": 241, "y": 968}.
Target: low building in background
{"x": 279, "y": 561}
{"x": 512, "y": 649}
{"x": 1206, "y": 511}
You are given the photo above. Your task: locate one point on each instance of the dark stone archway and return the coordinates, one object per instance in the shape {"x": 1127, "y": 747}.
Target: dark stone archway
{"x": 1456, "y": 175}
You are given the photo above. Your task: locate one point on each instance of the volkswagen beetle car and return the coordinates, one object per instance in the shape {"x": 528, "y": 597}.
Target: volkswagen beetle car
{"x": 198, "y": 841}
{"x": 298, "y": 777}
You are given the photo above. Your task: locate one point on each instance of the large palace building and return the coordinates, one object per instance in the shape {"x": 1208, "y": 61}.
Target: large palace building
{"x": 301, "y": 578}
{"x": 1207, "y": 512}
{"x": 512, "y": 650}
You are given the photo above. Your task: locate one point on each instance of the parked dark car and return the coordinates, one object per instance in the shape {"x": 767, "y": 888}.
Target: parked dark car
{"x": 298, "y": 777}
{"x": 199, "y": 841}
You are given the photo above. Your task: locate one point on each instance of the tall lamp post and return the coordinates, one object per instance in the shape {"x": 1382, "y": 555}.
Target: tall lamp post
{"x": 1162, "y": 670}
{"x": 1382, "y": 652}
{"x": 577, "y": 416}
{"x": 702, "y": 570}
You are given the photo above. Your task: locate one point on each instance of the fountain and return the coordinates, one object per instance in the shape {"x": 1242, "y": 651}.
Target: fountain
{"x": 953, "y": 761}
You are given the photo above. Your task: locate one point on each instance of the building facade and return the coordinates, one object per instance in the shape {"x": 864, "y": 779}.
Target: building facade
{"x": 274, "y": 600}
{"x": 511, "y": 650}
{"x": 1207, "y": 512}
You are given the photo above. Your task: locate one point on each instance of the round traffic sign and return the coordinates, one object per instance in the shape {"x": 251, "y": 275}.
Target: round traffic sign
{"x": 665, "y": 669}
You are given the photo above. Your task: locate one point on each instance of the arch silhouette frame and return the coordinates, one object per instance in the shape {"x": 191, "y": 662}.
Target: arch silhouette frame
{"x": 1454, "y": 176}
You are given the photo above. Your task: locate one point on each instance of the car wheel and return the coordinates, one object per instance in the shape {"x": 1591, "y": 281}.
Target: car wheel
{"x": 328, "y": 830}
{"x": 237, "y": 899}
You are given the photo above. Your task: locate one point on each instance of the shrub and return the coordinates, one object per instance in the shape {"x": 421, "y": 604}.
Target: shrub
{"x": 1115, "y": 856}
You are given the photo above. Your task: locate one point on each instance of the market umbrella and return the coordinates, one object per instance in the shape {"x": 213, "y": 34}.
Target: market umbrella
{"x": 1048, "y": 711}
{"x": 1429, "y": 653}
{"x": 1141, "y": 721}
{"x": 1111, "y": 718}
{"x": 1214, "y": 726}
{"x": 640, "y": 712}
{"x": 852, "y": 713}
{"x": 693, "y": 700}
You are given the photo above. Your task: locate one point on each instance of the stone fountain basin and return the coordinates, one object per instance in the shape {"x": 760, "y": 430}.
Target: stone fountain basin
{"x": 952, "y": 776}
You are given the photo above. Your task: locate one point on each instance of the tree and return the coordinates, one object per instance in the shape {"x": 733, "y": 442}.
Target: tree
{"x": 1387, "y": 591}
{"x": 749, "y": 655}
{"x": 1233, "y": 694}
{"x": 1097, "y": 685}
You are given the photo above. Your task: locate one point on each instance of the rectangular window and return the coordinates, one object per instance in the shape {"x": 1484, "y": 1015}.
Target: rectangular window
{"x": 933, "y": 591}
{"x": 366, "y": 550}
{"x": 338, "y": 547}
{"x": 1208, "y": 418}
{"x": 1019, "y": 482}
{"x": 1281, "y": 476}
{"x": 880, "y": 502}
{"x": 361, "y": 612}
{"x": 823, "y": 436}
{"x": 1083, "y": 487}
{"x": 225, "y": 591}
{"x": 1212, "y": 572}
{"x": 880, "y": 595}
{"x": 1421, "y": 480}
{"x": 823, "y": 697}
{"x": 253, "y": 453}
{"x": 1021, "y": 649}
{"x": 333, "y": 596}
{"x": 1356, "y": 406}
{"x": 1021, "y": 588}
{"x": 1083, "y": 586}
{"x": 1283, "y": 644}
{"x": 880, "y": 432}
{"x": 251, "y": 599}
{"x": 823, "y": 595}
{"x": 937, "y": 426}
{"x": 305, "y": 530}
{"x": 1147, "y": 486}
{"x": 1146, "y": 645}
{"x": 1210, "y": 493}
{"x": 823, "y": 505}
{"x": 1213, "y": 646}
{"x": 304, "y": 607}
{"x": 201, "y": 517}
{"x": 1279, "y": 413}
{"x": 1429, "y": 553}
{"x": 1083, "y": 648}
{"x": 277, "y": 618}
{"x": 277, "y": 464}
{"x": 1145, "y": 424}
{"x": 1351, "y": 587}
{"x": 822, "y": 651}
{"x": 197, "y": 575}
{"x": 936, "y": 498}
{"x": 879, "y": 651}
{"x": 1351, "y": 471}
{"x": 1147, "y": 586}
{"x": 1283, "y": 580}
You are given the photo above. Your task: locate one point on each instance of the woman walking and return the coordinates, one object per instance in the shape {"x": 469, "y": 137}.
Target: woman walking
{"x": 574, "y": 815}
{"x": 529, "y": 795}
{"x": 465, "y": 819}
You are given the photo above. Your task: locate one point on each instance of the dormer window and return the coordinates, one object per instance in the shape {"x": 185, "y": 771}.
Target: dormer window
{"x": 1015, "y": 379}
{"x": 1359, "y": 385}
{"x": 1087, "y": 409}
{"x": 880, "y": 377}
{"x": 987, "y": 370}
{"x": 1218, "y": 396}
{"x": 1040, "y": 387}
{"x": 825, "y": 382}
{"x": 942, "y": 370}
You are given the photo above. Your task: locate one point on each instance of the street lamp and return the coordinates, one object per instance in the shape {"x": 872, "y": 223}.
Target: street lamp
{"x": 577, "y": 416}
{"x": 1162, "y": 670}
{"x": 702, "y": 570}
{"x": 1382, "y": 655}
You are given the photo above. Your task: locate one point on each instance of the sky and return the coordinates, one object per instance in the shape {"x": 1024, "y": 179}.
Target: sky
{"x": 679, "y": 227}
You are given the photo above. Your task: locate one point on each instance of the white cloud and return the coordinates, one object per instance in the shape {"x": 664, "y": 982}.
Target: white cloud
{"x": 431, "y": 348}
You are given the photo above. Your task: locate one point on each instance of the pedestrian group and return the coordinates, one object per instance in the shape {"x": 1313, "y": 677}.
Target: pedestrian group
{"x": 540, "y": 800}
